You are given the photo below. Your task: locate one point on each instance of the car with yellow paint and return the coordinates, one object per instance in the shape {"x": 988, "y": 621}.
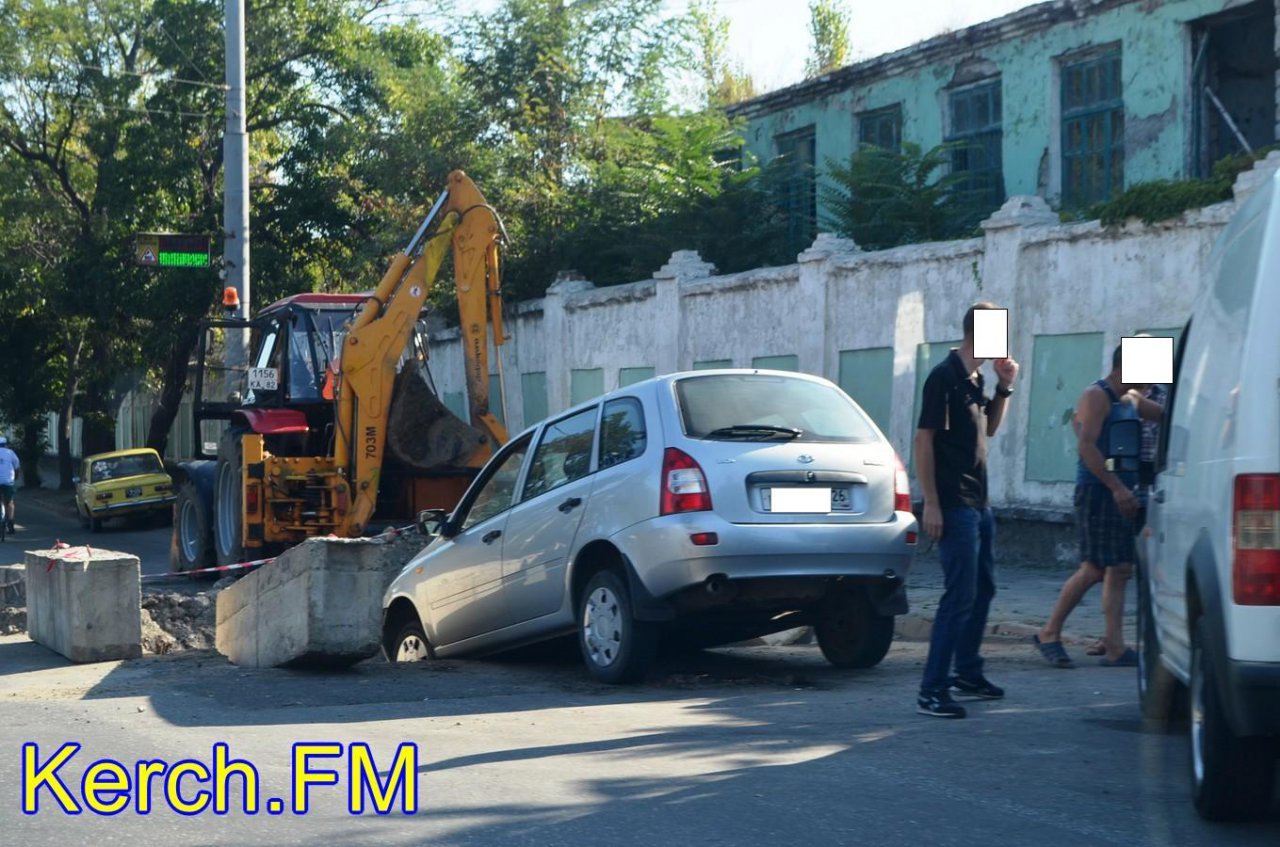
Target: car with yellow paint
{"x": 124, "y": 482}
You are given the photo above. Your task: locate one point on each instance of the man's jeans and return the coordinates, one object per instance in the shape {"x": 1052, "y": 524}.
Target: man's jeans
{"x": 968, "y": 568}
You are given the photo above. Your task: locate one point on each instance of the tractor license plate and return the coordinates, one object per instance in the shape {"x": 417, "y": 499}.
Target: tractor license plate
{"x": 133, "y": 492}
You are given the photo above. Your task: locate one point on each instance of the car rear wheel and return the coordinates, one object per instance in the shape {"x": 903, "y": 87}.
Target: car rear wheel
{"x": 192, "y": 546}
{"x": 1160, "y": 695}
{"x": 1232, "y": 778}
{"x": 850, "y": 632}
{"x": 411, "y": 644}
{"x": 616, "y": 647}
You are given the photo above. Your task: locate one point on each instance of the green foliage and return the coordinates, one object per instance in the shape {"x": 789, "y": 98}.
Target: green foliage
{"x": 883, "y": 198}
{"x": 1162, "y": 200}
{"x": 829, "y": 31}
{"x": 725, "y": 82}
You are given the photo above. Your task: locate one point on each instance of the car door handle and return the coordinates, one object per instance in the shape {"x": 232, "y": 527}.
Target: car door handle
{"x": 569, "y": 505}
{"x": 1159, "y": 496}
{"x": 491, "y": 536}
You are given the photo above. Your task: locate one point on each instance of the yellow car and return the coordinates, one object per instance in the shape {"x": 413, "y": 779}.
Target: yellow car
{"x": 126, "y": 482}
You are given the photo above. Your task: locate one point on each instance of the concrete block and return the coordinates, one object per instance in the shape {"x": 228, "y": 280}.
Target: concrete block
{"x": 318, "y": 605}
{"x": 85, "y": 603}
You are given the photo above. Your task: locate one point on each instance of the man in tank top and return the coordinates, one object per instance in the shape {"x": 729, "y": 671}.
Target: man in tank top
{"x": 1106, "y": 507}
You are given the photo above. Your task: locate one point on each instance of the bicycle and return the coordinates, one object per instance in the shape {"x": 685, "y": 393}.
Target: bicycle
{"x": 4, "y": 522}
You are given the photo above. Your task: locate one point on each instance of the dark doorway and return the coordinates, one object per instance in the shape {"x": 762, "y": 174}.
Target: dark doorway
{"x": 1233, "y": 83}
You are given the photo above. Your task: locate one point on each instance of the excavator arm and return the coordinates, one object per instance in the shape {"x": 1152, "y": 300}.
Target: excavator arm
{"x": 382, "y": 329}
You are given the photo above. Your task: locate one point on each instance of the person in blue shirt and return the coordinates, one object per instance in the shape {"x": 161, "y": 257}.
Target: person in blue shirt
{"x": 10, "y": 468}
{"x": 1106, "y": 510}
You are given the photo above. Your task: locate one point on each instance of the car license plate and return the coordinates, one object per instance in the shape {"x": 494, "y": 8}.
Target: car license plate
{"x": 812, "y": 501}
{"x": 840, "y": 500}
{"x": 133, "y": 492}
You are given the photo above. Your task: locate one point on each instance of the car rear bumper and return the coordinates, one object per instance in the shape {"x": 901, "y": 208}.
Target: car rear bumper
{"x": 137, "y": 504}
{"x": 1255, "y": 697}
{"x": 666, "y": 560}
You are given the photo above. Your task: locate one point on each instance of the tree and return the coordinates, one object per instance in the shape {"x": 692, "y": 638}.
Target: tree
{"x": 829, "y": 31}
{"x": 724, "y": 81}
{"x": 883, "y": 198}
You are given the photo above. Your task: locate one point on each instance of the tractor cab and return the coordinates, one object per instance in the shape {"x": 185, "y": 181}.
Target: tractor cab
{"x": 284, "y": 387}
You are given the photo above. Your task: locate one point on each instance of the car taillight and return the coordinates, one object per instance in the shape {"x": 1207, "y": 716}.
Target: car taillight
{"x": 1255, "y": 538}
{"x": 684, "y": 487}
{"x": 901, "y": 487}
{"x": 163, "y": 486}
{"x": 106, "y": 495}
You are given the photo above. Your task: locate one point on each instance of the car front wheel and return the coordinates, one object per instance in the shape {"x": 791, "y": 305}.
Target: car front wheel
{"x": 411, "y": 645}
{"x": 616, "y": 647}
{"x": 850, "y": 632}
{"x": 1231, "y": 777}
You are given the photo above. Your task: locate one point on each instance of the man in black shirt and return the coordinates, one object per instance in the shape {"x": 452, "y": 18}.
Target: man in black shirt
{"x": 956, "y": 419}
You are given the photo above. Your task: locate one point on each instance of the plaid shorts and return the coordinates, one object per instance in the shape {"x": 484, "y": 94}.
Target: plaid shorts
{"x": 1106, "y": 536}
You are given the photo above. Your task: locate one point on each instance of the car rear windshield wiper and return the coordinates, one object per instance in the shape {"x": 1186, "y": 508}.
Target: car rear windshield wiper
{"x": 752, "y": 432}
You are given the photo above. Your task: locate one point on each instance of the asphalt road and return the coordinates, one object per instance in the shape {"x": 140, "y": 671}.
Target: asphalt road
{"x": 751, "y": 746}
{"x": 47, "y": 516}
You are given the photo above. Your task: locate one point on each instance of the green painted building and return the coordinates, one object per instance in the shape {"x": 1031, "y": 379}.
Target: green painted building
{"x": 1071, "y": 100}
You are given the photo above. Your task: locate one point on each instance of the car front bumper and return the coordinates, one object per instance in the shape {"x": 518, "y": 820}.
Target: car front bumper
{"x": 666, "y": 560}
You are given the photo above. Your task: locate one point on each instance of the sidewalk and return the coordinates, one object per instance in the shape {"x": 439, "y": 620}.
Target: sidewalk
{"x": 1024, "y": 598}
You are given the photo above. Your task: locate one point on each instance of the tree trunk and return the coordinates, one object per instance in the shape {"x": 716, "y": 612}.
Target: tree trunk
{"x": 67, "y": 412}
{"x": 31, "y": 450}
{"x": 171, "y": 391}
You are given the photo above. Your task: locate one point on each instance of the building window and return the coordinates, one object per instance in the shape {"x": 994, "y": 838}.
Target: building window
{"x": 1092, "y": 130}
{"x": 881, "y": 128}
{"x": 797, "y": 154}
{"x": 977, "y": 135}
{"x": 789, "y": 362}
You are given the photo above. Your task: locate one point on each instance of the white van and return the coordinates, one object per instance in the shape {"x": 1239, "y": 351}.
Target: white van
{"x": 1209, "y": 583}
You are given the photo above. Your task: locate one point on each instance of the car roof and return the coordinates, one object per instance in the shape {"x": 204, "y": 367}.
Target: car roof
{"x": 116, "y": 454}
{"x": 655, "y": 383}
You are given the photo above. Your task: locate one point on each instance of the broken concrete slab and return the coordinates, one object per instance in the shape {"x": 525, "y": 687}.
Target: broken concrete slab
{"x": 85, "y": 603}
{"x": 318, "y": 605}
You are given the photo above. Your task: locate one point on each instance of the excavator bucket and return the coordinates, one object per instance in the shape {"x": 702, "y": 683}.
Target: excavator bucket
{"x": 421, "y": 431}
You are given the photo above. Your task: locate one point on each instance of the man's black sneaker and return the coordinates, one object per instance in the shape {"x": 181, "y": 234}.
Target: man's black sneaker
{"x": 938, "y": 704}
{"x": 981, "y": 688}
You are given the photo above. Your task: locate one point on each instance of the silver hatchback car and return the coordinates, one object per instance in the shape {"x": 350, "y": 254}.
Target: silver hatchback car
{"x": 702, "y": 508}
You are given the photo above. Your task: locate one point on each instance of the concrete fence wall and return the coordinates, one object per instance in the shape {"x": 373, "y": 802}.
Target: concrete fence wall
{"x": 875, "y": 322}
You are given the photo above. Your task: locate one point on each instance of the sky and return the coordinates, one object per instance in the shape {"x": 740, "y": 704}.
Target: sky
{"x": 771, "y": 37}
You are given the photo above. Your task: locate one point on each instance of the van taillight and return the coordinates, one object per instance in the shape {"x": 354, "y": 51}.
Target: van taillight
{"x": 684, "y": 487}
{"x": 901, "y": 487}
{"x": 1255, "y": 538}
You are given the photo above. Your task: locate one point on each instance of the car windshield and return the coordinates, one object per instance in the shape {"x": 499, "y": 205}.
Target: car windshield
{"x": 121, "y": 466}
{"x": 767, "y": 407}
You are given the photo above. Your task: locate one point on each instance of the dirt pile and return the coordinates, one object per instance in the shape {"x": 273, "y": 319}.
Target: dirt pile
{"x": 13, "y": 620}
{"x": 173, "y": 622}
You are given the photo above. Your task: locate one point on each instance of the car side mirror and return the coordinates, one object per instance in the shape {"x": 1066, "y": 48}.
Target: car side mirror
{"x": 431, "y": 522}
{"x": 1124, "y": 444}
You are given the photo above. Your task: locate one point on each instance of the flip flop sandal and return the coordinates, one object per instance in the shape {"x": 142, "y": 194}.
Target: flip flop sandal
{"x": 1127, "y": 659}
{"x": 1097, "y": 648}
{"x": 1054, "y": 653}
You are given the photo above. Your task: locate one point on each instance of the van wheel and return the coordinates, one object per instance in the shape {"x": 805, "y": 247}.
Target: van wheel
{"x": 850, "y": 632}
{"x": 411, "y": 645}
{"x": 616, "y": 647}
{"x": 1161, "y": 696}
{"x": 1231, "y": 777}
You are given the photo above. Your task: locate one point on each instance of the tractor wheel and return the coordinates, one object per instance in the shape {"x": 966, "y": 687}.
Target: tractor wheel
{"x": 228, "y": 492}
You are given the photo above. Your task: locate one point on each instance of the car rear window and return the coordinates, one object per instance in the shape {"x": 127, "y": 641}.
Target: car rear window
{"x": 728, "y": 406}
{"x": 120, "y": 466}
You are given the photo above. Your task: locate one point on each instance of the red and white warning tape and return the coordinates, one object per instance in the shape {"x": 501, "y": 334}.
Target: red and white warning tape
{"x": 394, "y": 532}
